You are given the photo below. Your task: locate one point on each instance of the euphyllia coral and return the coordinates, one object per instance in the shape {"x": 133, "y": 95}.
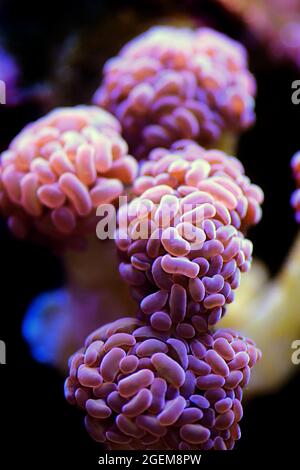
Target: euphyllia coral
{"x": 144, "y": 389}
{"x": 59, "y": 169}
{"x": 166, "y": 379}
{"x": 172, "y": 83}
{"x": 182, "y": 240}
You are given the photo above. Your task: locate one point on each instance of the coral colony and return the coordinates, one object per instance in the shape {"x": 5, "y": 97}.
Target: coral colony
{"x": 169, "y": 379}
{"x": 59, "y": 169}
{"x": 166, "y": 378}
{"x": 54, "y": 175}
{"x": 152, "y": 388}
{"x": 174, "y": 83}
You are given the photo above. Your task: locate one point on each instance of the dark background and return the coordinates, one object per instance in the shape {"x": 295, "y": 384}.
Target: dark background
{"x": 40, "y": 428}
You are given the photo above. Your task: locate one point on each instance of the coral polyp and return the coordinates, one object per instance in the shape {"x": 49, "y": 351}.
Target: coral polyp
{"x": 182, "y": 240}
{"x": 144, "y": 389}
{"x": 296, "y": 194}
{"x": 173, "y": 83}
{"x": 59, "y": 169}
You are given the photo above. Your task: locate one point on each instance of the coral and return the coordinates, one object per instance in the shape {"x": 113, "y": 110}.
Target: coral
{"x": 144, "y": 389}
{"x": 54, "y": 175}
{"x": 59, "y": 169}
{"x": 182, "y": 241}
{"x": 172, "y": 83}
{"x": 165, "y": 379}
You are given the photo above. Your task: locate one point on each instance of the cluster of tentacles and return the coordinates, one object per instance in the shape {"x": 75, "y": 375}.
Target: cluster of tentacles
{"x": 58, "y": 170}
{"x": 165, "y": 379}
{"x": 174, "y": 83}
{"x": 182, "y": 239}
{"x": 144, "y": 388}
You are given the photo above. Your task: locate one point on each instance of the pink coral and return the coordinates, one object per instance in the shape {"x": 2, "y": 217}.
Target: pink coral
{"x": 59, "y": 169}
{"x": 173, "y": 83}
{"x": 182, "y": 239}
{"x": 144, "y": 389}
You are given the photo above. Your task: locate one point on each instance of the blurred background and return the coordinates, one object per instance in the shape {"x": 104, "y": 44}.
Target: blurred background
{"x": 60, "y": 47}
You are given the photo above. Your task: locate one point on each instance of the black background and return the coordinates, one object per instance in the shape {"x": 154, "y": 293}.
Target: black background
{"x": 40, "y": 427}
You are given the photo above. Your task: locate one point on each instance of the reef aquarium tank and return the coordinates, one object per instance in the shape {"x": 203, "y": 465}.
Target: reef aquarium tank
{"x": 149, "y": 233}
